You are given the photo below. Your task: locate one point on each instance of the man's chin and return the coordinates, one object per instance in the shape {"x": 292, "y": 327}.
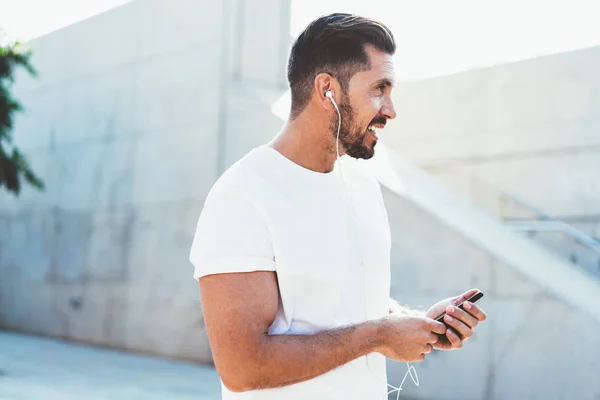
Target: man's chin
{"x": 369, "y": 155}
{"x": 365, "y": 153}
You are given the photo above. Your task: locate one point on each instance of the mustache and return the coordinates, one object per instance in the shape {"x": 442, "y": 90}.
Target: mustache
{"x": 379, "y": 120}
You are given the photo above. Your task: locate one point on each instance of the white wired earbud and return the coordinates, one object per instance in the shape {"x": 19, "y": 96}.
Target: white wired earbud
{"x": 329, "y": 94}
{"x": 411, "y": 369}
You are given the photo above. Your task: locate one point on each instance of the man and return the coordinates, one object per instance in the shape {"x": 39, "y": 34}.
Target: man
{"x": 292, "y": 249}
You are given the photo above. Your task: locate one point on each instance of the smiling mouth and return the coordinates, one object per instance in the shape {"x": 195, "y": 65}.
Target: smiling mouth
{"x": 375, "y": 129}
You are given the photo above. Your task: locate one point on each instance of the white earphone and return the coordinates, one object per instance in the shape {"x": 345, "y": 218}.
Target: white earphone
{"x": 329, "y": 94}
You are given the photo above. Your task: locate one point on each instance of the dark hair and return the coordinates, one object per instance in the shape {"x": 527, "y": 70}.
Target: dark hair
{"x": 334, "y": 44}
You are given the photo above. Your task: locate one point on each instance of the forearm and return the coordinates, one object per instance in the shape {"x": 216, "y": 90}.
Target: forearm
{"x": 395, "y": 307}
{"x": 281, "y": 360}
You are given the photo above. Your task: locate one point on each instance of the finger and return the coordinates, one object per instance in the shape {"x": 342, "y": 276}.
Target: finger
{"x": 437, "y": 327}
{"x": 443, "y": 343}
{"x": 463, "y": 297}
{"x": 428, "y": 349}
{"x": 428, "y": 337}
{"x": 475, "y": 311}
{"x": 463, "y": 316}
{"x": 433, "y": 338}
{"x": 460, "y": 327}
{"x": 454, "y": 339}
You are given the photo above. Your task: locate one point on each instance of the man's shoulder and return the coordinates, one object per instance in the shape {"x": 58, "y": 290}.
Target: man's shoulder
{"x": 242, "y": 176}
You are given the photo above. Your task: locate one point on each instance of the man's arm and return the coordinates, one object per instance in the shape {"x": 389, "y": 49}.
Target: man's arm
{"x": 395, "y": 307}
{"x": 238, "y": 310}
{"x": 233, "y": 258}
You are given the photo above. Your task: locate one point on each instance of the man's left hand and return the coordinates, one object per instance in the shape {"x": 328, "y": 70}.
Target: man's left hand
{"x": 461, "y": 321}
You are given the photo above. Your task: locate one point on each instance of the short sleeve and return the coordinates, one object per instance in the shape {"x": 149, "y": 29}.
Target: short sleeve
{"x": 232, "y": 235}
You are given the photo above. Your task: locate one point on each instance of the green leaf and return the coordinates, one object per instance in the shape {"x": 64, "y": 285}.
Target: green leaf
{"x": 14, "y": 168}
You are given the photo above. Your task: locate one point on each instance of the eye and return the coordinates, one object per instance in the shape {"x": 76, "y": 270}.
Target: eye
{"x": 381, "y": 88}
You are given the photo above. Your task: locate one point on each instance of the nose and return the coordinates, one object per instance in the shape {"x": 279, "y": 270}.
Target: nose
{"x": 388, "y": 109}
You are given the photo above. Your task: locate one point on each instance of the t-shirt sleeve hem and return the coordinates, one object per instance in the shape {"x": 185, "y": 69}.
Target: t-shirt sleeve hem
{"x": 232, "y": 265}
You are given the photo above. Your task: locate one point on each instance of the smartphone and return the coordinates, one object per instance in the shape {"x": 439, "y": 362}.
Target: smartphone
{"x": 471, "y": 299}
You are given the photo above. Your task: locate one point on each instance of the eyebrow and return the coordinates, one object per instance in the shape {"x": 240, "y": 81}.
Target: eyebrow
{"x": 386, "y": 82}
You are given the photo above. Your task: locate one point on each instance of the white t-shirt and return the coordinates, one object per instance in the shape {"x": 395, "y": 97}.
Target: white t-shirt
{"x": 331, "y": 256}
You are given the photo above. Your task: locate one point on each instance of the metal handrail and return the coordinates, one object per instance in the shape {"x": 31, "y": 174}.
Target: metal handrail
{"x": 569, "y": 219}
{"x": 544, "y": 221}
{"x": 557, "y": 226}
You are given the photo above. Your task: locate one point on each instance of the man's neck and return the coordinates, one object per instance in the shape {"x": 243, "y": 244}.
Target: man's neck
{"x": 308, "y": 143}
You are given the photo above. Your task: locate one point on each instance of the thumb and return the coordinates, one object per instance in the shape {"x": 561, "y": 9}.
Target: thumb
{"x": 464, "y": 296}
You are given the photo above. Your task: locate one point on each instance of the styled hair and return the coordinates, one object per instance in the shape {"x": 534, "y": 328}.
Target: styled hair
{"x": 333, "y": 44}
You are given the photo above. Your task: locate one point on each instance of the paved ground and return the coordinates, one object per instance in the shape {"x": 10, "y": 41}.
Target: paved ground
{"x": 34, "y": 368}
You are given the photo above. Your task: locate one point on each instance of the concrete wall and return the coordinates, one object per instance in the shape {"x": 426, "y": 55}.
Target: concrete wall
{"x": 130, "y": 127}
{"x": 134, "y": 116}
{"x": 532, "y": 346}
{"x": 532, "y": 128}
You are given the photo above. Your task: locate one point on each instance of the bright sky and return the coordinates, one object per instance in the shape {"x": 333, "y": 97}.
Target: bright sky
{"x": 435, "y": 37}
{"x": 26, "y": 19}
{"x": 439, "y": 37}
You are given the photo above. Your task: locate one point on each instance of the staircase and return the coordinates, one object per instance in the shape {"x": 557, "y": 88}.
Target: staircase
{"x": 555, "y": 234}
{"x": 503, "y": 226}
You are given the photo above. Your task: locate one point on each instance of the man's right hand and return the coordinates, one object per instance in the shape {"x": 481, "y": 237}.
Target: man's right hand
{"x": 409, "y": 338}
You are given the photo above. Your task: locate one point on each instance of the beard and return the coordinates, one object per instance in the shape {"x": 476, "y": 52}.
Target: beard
{"x": 352, "y": 135}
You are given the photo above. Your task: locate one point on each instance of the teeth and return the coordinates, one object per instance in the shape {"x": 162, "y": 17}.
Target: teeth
{"x": 373, "y": 129}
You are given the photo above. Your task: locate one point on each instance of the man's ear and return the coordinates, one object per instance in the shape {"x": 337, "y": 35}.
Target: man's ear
{"x": 325, "y": 83}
